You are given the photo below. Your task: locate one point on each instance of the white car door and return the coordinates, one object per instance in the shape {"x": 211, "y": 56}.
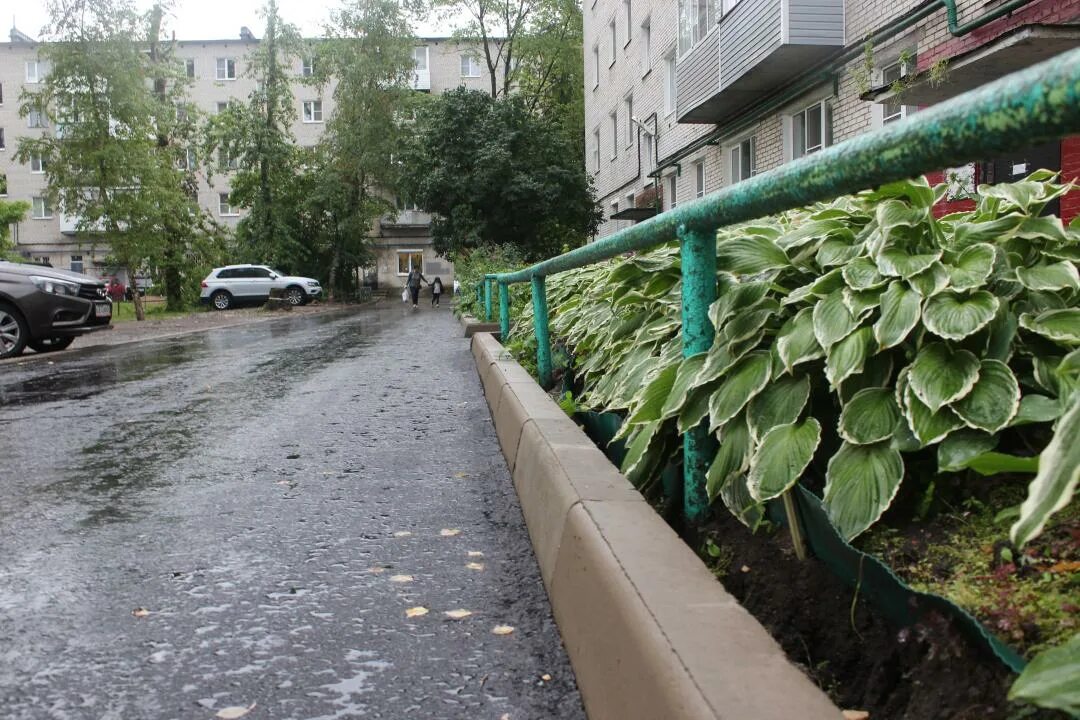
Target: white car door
{"x": 261, "y": 282}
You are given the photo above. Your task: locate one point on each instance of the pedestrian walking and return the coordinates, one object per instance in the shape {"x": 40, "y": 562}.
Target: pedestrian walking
{"x": 413, "y": 283}
{"x": 436, "y": 291}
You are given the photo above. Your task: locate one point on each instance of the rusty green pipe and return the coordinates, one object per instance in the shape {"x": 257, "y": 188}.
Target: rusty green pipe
{"x": 540, "y": 329}
{"x": 504, "y": 312}
{"x": 487, "y": 297}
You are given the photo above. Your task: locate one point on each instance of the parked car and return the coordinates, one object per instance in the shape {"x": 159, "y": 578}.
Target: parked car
{"x": 46, "y": 308}
{"x": 233, "y": 284}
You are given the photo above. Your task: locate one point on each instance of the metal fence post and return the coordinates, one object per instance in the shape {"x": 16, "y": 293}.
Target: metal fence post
{"x": 698, "y": 252}
{"x": 487, "y": 298}
{"x": 504, "y": 312}
{"x": 540, "y": 328}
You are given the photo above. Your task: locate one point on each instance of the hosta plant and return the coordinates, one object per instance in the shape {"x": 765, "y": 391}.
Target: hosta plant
{"x": 854, "y": 341}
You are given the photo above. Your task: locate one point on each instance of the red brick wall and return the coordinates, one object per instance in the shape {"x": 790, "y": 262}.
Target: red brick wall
{"x": 1070, "y": 170}
{"x": 943, "y": 207}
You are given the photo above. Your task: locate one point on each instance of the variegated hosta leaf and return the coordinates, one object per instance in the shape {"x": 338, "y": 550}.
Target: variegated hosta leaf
{"x": 796, "y": 341}
{"x": 970, "y": 233}
{"x": 828, "y": 283}
{"x": 1037, "y": 408}
{"x": 745, "y": 380}
{"x": 1002, "y": 332}
{"x": 688, "y": 369}
{"x": 847, "y": 357}
{"x": 782, "y": 401}
{"x": 1056, "y": 481}
{"x": 930, "y": 281}
{"x": 892, "y": 214}
{"x": 832, "y": 320}
{"x": 722, "y": 356}
{"x": 696, "y": 407}
{"x": 837, "y": 252}
{"x": 749, "y": 255}
{"x": 927, "y": 426}
{"x": 781, "y": 458}
{"x": 862, "y": 274}
{"x": 748, "y": 322}
{"x": 734, "y": 299}
{"x": 954, "y": 316}
{"x": 894, "y": 262}
{"x": 737, "y": 499}
{"x": 654, "y": 396}
{"x": 861, "y": 302}
{"x": 1050, "y": 679}
{"x": 993, "y": 401}
{"x": 940, "y": 375}
{"x": 900, "y": 312}
{"x": 957, "y": 450}
{"x": 972, "y": 267}
{"x": 1060, "y": 325}
{"x": 877, "y": 372}
{"x": 869, "y": 417}
{"x": 733, "y": 455}
{"x": 642, "y": 452}
{"x": 861, "y": 482}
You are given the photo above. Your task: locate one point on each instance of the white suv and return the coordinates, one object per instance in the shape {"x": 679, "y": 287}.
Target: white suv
{"x": 232, "y": 284}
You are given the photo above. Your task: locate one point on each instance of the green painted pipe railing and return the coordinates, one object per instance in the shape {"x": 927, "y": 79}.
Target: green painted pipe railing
{"x": 1017, "y": 111}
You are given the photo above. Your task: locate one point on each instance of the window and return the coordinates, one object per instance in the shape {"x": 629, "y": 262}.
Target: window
{"x": 36, "y": 119}
{"x": 227, "y": 161}
{"x": 224, "y": 208}
{"x": 37, "y": 164}
{"x": 743, "y": 158}
{"x": 629, "y": 201}
{"x": 3, "y": 185}
{"x": 420, "y": 57}
{"x": 221, "y": 106}
{"x": 596, "y": 150}
{"x": 614, "y": 117}
{"x": 33, "y": 71}
{"x": 669, "y": 84}
{"x": 187, "y": 159}
{"x": 1, "y": 93}
{"x": 672, "y": 191}
{"x": 226, "y": 68}
{"x": 628, "y": 108}
{"x": 189, "y": 67}
{"x": 470, "y": 66}
{"x": 627, "y": 12}
{"x": 729, "y": 5}
{"x": 892, "y": 110}
{"x": 646, "y": 46}
{"x": 313, "y": 111}
{"x": 811, "y": 129}
{"x": 307, "y": 67}
{"x": 76, "y": 263}
{"x": 409, "y": 260}
{"x": 2, "y": 145}
{"x": 596, "y": 66}
{"x": 647, "y": 155}
{"x": 614, "y": 41}
{"x": 41, "y": 209}
{"x": 699, "y": 179}
{"x": 696, "y": 18}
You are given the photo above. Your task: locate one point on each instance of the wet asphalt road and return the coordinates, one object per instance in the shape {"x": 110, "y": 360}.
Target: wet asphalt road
{"x": 257, "y": 490}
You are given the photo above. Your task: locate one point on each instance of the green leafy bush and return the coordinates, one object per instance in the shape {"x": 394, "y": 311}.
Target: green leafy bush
{"x": 470, "y": 267}
{"x": 858, "y": 343}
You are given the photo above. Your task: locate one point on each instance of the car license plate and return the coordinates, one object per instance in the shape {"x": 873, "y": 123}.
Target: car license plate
{"x": 102, "y": 309}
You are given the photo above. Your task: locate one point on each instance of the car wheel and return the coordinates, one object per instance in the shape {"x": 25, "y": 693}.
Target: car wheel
{"x": 295, "y": 295}
{"x": 52, "y": 344}
{"x": 221, "y": 300}
{"x": 13, "y": 331}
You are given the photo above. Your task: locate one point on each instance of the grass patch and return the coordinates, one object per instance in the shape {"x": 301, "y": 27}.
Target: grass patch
{"x": 155, "y": 310}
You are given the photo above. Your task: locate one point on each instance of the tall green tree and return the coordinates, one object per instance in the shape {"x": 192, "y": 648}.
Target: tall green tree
{"x": 109, "y": 162}
{"x": 495, "y": 172}
{"x": 255, "y": 139}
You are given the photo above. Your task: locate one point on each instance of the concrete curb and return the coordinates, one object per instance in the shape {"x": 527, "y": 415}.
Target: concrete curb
{"x": 474, "y": 326}
{"x": 650, "y": 632}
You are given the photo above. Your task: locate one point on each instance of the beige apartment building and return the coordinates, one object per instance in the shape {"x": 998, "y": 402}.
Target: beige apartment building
{"x": 217, "y": 70}
{"x": 683, "y": 97}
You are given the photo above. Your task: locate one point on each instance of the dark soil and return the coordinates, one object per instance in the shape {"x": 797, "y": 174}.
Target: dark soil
{"x": 924, "y": 672}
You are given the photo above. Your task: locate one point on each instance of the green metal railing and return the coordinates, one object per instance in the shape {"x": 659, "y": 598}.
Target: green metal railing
{"x": 1014, "y": 112}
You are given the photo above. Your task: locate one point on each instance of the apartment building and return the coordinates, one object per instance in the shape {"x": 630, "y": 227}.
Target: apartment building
{"x": 683, "y": 97}
{"x": 217, "y": 70}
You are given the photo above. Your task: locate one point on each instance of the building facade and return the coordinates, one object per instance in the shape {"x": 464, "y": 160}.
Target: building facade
{"x": 217, "y": 71}
{"x": 683, "y": 97}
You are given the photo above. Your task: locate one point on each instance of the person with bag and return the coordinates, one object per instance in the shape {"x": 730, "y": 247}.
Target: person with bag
{"x": 412, "y": 284}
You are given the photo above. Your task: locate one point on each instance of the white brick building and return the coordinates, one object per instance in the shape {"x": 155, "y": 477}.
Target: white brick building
{"x": 750, "y": 84}
{"x": 217, "y": 70}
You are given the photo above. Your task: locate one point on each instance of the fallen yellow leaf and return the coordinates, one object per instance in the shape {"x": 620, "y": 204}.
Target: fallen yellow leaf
{"x": 475, "y": 553}
{"x": 376, "y": 570}
{"x": 449, "y": 532}
{"x": 856, "y": 715}
{"x": 237, "y": 711}
{"x": 461, "y": 475}
{"x": 401, "y": 578}
{"x": 545, "y": 677}
{"x": 402, "y": 533}
{"x": 140, "y": 612}
{"x": 502, "y": 630}
{"x": 457, "y": 614}
{"x": 475, "y": 566}
{"x": 417, "y": 611}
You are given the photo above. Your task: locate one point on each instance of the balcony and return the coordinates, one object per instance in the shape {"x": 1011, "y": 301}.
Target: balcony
{"x": 758, "y": 47}
{"x": 407, "y": 219}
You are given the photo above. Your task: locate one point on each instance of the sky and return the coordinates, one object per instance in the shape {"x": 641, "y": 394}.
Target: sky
{"x": 210, "y": 19}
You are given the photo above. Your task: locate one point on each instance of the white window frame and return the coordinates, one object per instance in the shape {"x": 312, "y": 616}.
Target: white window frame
{"x": 628, "y": 109}
{"x": 697, "y": 18}
{"x": 613, "y": 118}
{"x": 33, "y": 72}
{"x": 646, "y": 45}
{"x": 647, "y": 150}
{"x": 427, "y": 58}
{"x": 223, "y": 66}
{"x": 312, "y": 111}
{"x": 37, "y": 165}
{"x": 189, "y": 67}
{"x": 671, "y": 191}
{"x": 224, "y": 205}
{"x": 37, "y": 119}
{"x": 791, "y": 124}
{"x": 670, "y": 85}
{"x": 596, "y": 66}
{"x": 699, "y": 179}
{"x": 630, "y": 203}
{"x": 45, "y": 212}
{"x": 880, "y": 108}
{"x": 613, "y": 30}
{"x": 596, "y": 150}
{"x": 735, "y": 152}
{"x": 410, "y": 253}
{"x": 3, "y": 185}
{"x": 613, "y": 213}
{"x": 473, "y": 68}
{"x": 628, "y": 13}
{"x": 307, "y": 66}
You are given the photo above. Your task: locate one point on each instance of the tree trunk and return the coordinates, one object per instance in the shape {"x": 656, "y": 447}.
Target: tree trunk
{"x": 136, "y": 299}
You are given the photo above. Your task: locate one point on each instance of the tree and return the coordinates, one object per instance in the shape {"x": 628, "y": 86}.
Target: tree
{"x": 109, "y": 162}
{"x": 11, "y": 212}
{"x": 495, "y": 172}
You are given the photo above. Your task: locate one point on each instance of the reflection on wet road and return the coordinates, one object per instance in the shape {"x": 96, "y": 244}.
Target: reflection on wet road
{"x": 245, "y": 515}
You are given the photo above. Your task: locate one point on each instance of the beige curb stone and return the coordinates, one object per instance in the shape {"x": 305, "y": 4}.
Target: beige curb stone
{"x": 650, "y": 632}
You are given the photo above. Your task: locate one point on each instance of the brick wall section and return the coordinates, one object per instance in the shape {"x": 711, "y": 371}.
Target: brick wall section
{"x": 1070, "y": 170}
{"x": 945, "y": 207}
